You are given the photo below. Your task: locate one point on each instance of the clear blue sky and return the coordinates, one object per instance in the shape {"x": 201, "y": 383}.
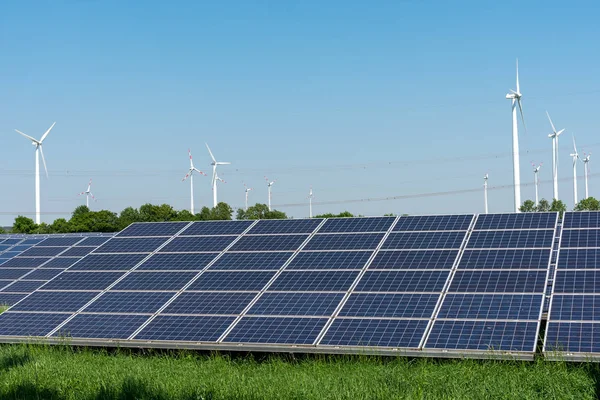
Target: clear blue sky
{"x": 358, "y": 99}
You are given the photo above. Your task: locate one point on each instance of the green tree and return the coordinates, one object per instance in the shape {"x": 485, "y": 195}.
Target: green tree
{"x": 528, "y": 206}
{"x": 184, "y": 215}
{"x": 2, "y": 230}
{"x": 81, "y": 210}
{"x": 43, "y": 228}
{"x": 23, "y": 225}
{"x": 260, "y": 211}
{"x": 128, "y": 216}
{"x": 543, "y": 206}
{"x": 222, "y": 211}
{"x": 343, "y": 214}
{"x": 104, "y": 221}
{"x": 558, "y": 205}
{"x": 589, "y": 204}
{"x": 153, "y": 213}
{"x": 61, "y": 225}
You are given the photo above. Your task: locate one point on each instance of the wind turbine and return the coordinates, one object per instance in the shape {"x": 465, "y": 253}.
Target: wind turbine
{"x": 310, "y": 198}
{"x": 586, "y": 167}
{"x": 575, "y": 156}
{"x": 38, "y": 150}
{"x": 515, "y": 96}
{"x": 246, "y": 190}
{"x": 88, "y": 193}
{"x": 554, "y": 136}
{"x": 215, "y": 177}
{"x": 536, "y": 181}
{"x": 485, "y": 197}
{"x": 269, "y": 184}
{"x": 190, "y": 175}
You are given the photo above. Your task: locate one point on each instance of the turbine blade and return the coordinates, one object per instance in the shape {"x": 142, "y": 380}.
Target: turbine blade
{"x": 522, "y": 117}
{"x": 187, "y": 175}
{"x": 43, "y": 159}
{"x": 559, "y": 132}
{"x": 223, "y": 163}
{"x": 518, "y": 90}
{"x": 47, "y": 132}
{"x": 550, "y": 119}
{"x": 191, "y": 162}
{"x": 200, "y": 172}
{"x": 210, "y": 152}
{"x": 27, "y": 136}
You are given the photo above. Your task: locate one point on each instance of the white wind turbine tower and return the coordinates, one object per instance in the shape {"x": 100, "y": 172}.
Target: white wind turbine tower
{"x": 190, "y": 175}
{"x": 215, "y": 177}
{"x": 515, "y": 96}
{"x": 485, "y": 187}
{"x": 88, "y": 193}
{"x": 246, "y": 190}
{"x": 269, "y": 184}
{"x": 38, "y": 150}
{"x": 575, "y": 158}
{"x": 586, "y": 168}
{"x": 310, "y": 198}
{"x": 536, "y": 182}
{"x": 554, "y": 136}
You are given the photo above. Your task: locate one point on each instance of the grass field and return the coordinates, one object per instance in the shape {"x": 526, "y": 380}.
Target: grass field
{"x": 62, "y": 372}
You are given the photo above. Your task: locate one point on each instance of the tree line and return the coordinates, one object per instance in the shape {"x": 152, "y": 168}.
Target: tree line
{"x": 589, "y": 204}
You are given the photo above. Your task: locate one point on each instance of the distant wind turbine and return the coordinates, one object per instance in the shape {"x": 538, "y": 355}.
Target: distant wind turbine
{"x": 310, "y": 198}
{"x": 515, "y": 96}
{"x": 246, "y": 190}
{"x": 88, "y": 194}
{"x": 190, "y": 175}
{"x": 485, "y": 197}
{"x": 575, "y": 156}
{"x": 38, "y": 150}
{"x": 536, "y": 182}
{"x": 554, "y": 136}
{"x": 586, "y": 168}
{"x": 215, "y": 177}
{"x": 269, "y": 184}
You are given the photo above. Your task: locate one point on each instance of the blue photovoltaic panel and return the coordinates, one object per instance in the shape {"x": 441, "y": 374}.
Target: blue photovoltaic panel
{"x": 210, "y": 303}
{"x": 232, "y": 281}
{"x": 25, "y": 262}
{"x": 83, "y": 280}
{"x": 300, "y": 304}
{"x": 375, "y": 332}
{"x": 589, "y": 219}
{"x": 573, "y": 337}
{"x": 129, "y": 302}
{"x": 9, "y": 299}
{"x": 93, "y": 241}
{"x": 580, "y": 238}
{"x": 5, "y": 246}
{"x": 12, "y": 241}
{"x": 579, "y": 259}
{"x": 63, "y": 241}
{"x": 575, "y": 281}
{"x": 491, "y": 306}
{"x": 351, "y": 241}
{"x": 249, "y": 261}
{"x": 315, "y": 281}
{"x": 29, "y": 324}
{"x": 78, "y": 251}
{"x": 23, "y": 286}
{"x": 55, "y": 301}
{"x": 276, "y": 330}
{"x": 272, "y": 226}
{"x": 434, "y": 223}
{"x": 505, "y": 259}
{"x": 513, "y": 281}
{"x": 483, "y": 335}
{"x": 31, "y": 241}
{"x": 155, "y": 281}
{"x": 20, "y": 247}
{"x": 60, "y": 262}
{"x": 181, "y": 261}
{"x": 43, "y": 251}
{"x": 101, "y": 326}
{"x": 330, "y": 260}
{"x": 185, "y": 328}
{"x": 390, "y": 305}
{"x": 13, "y": 273}
{"x": 402, "y": 281}
{"x": 376, "y": 224}
{"x": 43, "y": 274}
{"x": 153, "y": 229}
{"x": 517, "y": 221}
{"x": 10, "y": 254}
{"x": 107, "y": 262}
{"x": 576, "y": 307}
{"x": 198, "y": 243}
{"x": 414, "y": 259}
{"x": 217, "y": 228}
{"x": 131, "y": 245}
{"x": 269, "y": 243}
{"x": 511, "y": 239}
{"x": 424, "y": 240}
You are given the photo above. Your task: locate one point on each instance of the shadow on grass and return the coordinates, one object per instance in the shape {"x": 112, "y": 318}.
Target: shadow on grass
{"x": 15, "y": 359}
{"x": 31, "y": 391}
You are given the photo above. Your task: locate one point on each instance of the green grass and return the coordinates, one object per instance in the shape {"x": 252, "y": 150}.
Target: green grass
{"x": 61, "y": 372}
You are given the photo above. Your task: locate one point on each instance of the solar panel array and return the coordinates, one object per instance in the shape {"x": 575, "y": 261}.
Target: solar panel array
{"x": 573, "y": 330}
{"x": 421, "y": 285}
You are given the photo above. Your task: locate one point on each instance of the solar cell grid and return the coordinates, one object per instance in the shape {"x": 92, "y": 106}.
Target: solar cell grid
{"x": 434, "y": 223}
{"x": 210, "y": 303}
{"x": 511, "y": 239}
{"x": 424, "y": 240}
{"x": 101, "y": 326}
{"x": 60, "y": 262}
{"x": 198, "y": 243}
{"x": 276, "y": 330}
{"x": 78, "y": 251}
{"x": 20, "y": 247}
{"x": 414, "y": 259}
{"x": 350, "y": 241}
{"x": 131, "y": 245}
{"x": 402, "y": 281}
{"x": 251, "y": 261}
{"x": 375, "y": 332}
{"x": 232, "y": 281}
{"x": 390, "y": 305}
{"x": 315, "y": 281}
{"x": 577, "y": 281}
{"x": 580, "y": 238}
{"x": 517, "y": 221}
{"x": 273, "y": 226}
{"x": 491, "y": 306}
{"x": 575, "y": 307}
{"x": 296, "y": 304}
{"x": 54, "y": 301}
{"x": 43, "y": 274}
{"x": 106, "y": 262}
{"x": 29, "y": 324}
{"x": 22, "y": 286}
{"x": 83, "y": 280}
{"x": 12, "y": 241}
{"x": 43, "y": 251}
{"x": 511, "y": 281}
{"x": 217, "y": 228}
{"x": 129, "y": 302}
{"x": 589, "y": 219}
{"x": 371, "y": 224}
{"x": 181, "y": 261}
{"x": 60, "y": 241}
{"x": 579, "y": 259}
{"x": 13, "y": 273}
{"x": 155, "y": 281}
{"x": 31, "y": 241}
{"x": 505, "y": 259}
{"x": 330, "y": 260}
{"x": 153, "y": 229}
{"x": 19, "y": 262}
{"x": 572, "y": 337}
{"x": 93, "y": 241}
{"x": 10, "y": 299}
{"x": 269, "y": 243}
{"x": 185, "y": 328}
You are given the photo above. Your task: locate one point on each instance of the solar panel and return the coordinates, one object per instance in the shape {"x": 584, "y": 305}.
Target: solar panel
{"x": 200, "y": 243}
{"x": 43, "y": 274}
{"x": 572, "y": 337}
{"x": 9, "y": 299}
{"x": 232, "y": 281}
{"x": 107, "y": 262}
{"x": 580, "y": 238}
{"x": 273, "y": 226}
{"x": 424, "y": 240}
{"x": 83, "y": 280}
{"x": 155, "y": 281}
{"x": 491, "y": 306}
{"x": 93, "y": 241}
{"x": 576, "y": 281}
{"x": 575, "y": 307}
{"x": 129, "y": 302}
{"x": 60, "y": 241}
{"x": 402, "y": 281}
{"x": 43, "y": 251}
{"x": 390, "y": 305}
{"x": 13, "y": 273}
{"x": 505, "y": 259}
{"x": 23, "y": 286}
{"x": 29, "y": 324}
{"x": 315, "y": 281}
{"x": 276, "y": 330}
{"x": 511, "y": 239}
{"x": 372, "y": 224}
{"x": 55, "y": 301}
{"x": 296, "y": 304}
{"x": 25, "y": 262}
{"x": 210, "y": 303}
{"x": 185, "y": 328}
{"x": 251, "y": 261}
{"x": 375, "y": 332}
{"x": 149, "y": 229}
{"x": 101, "y": 326}
{"x": 131, "y": 245}
{"x": 517, "y": 221}
{"x": 513, "y": 281}
{"x": 588, "y": 219}
{"x": 351, "y": 241}
{"x": 579, "y": 259}
{"x": 434, "y": 223}
{"x": 269, "y": 243}
{"x": 181, "y": 261}
{"x": 60, "y": 262}
{"x": 330, "y": 260}
{"x": 414, "y": 259}
{"x": 217, "y": 228}
{"x": 77, "y": 251}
